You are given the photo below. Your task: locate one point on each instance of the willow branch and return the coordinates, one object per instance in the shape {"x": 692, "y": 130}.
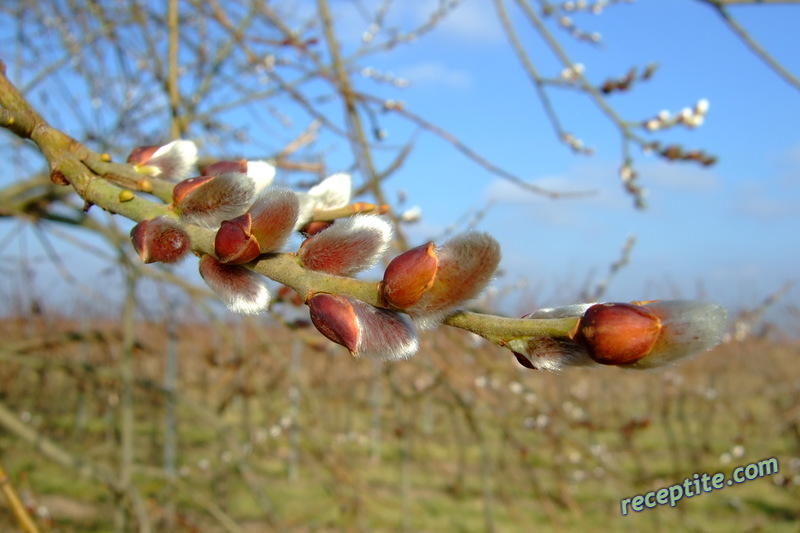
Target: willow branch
{"x": 68, "y": 159}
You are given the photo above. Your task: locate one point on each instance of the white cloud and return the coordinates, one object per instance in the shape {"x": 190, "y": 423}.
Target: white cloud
{"x": 756, "y": 200}
{"x": 470, "y": 22}
{"x": 435, "y": 73}
{"x": 473, "y": 21}
{"x": 792, "y": 155}
{"x": 685, "y": 177}
{"x": 594, "y": 184}
{"x": 566, "y": 212}
{"x": 505, "y": 192}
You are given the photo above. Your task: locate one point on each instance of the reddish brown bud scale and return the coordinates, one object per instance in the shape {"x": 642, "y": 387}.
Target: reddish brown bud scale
{"x": 687, "y": 328}
{"x": 466, "y": 264}
{"x": 523, "y": 360}
{"x": 234, "y": 244}
{"x": 365, "y": 330}
{"x": 638, "y": 335}
{"x": 334, "y": 317}
{"x": 223, "y": 167}
{"x": 410, "y": 275}
{"x": 315, "y": 226}
{"x": 618, "y": 333}
{"x": 159, "y": 239}
{"x": 183, "y": 188}
{"x": 172, "y": 161}
{"x": 141, "y": 154}
{"x": 263, "y": 229}
{"x": 139, "y": 240}
{"x": 58, "y": 178}
{"x": 274, "y": 215}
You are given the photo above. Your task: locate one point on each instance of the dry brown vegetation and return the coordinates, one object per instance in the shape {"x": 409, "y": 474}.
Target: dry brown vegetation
{"x": 279, "y": 432}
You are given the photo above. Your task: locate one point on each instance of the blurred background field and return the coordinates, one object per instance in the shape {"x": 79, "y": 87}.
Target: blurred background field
{"x": 253, "y": 426}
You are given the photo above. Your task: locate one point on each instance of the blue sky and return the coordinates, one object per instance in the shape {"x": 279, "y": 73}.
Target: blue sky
{"x": 727, "y": 233}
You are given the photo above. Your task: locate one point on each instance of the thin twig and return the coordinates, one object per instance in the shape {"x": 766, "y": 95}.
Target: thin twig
{"x": 17, "y": 507}
{"x": 744, "y": 35}
{"x": 172, "y": 80}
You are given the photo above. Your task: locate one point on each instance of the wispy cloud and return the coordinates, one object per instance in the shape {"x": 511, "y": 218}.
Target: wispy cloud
{"x": 684, "y": 177}
{"x": 792, "y": 156}
{"x": 756, "y": 200}
{"x": 472, "y": 22}
{"x": 545, "y": 211}
{"x": 431, "y": 73}
{"x": 596, "y": 184}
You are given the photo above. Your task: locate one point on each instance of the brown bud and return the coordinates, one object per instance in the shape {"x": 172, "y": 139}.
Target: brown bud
{"x": 638, "y": 335}
{"x": 160, "y": 239}
{"x": 365, "y": 330}
{"x": 183, "y": 188}
{"x": 208, "y": 200}
{"x": 617, "y": 333}
{"x": 334, "y": 317}
{"x": 173, "y": 161}
{"x": 274, "y": 214}
{"x": 349, "y": 246}
{"x": 687, "y": 328}
{"x": 466, "y": 264}
{"x": 409, "y": 276}
{"x": 694, "y": 155}
{"x": 672, "y": 152}
{"x": 315, "y": 226}
{"x": 141, "y": 154}
{"x": 222, "y": 167}
{"x": 57, "y": 177}
{"x": 234, "y": 244}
